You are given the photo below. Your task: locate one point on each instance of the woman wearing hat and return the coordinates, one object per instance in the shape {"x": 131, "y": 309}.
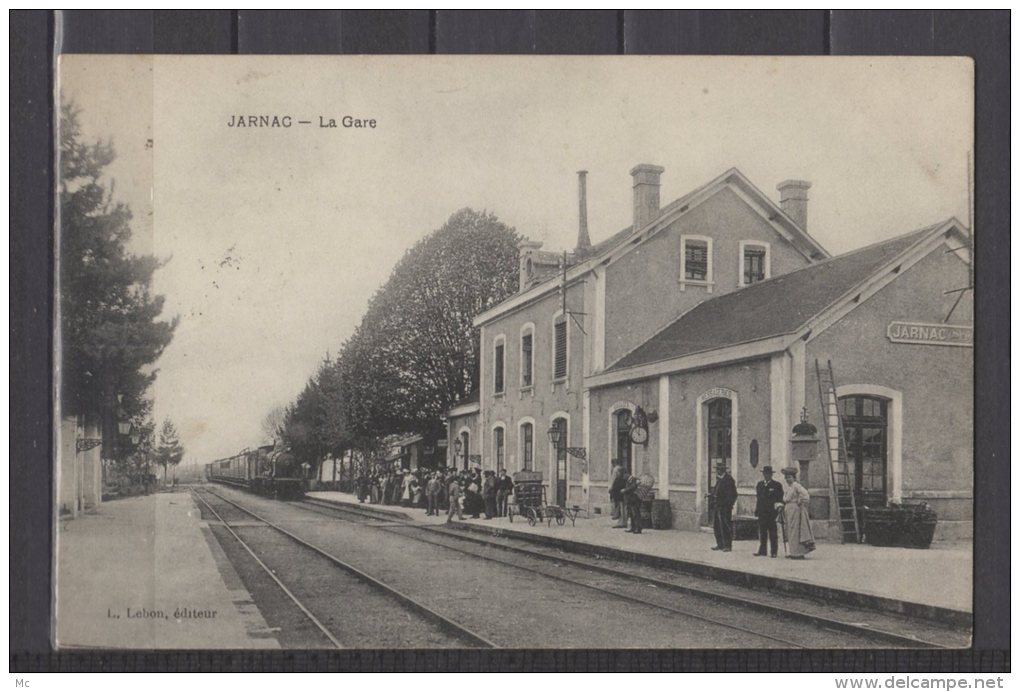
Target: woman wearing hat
{"x": 795, "y": 514}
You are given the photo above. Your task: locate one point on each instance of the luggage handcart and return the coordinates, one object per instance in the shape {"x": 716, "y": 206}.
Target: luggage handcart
{"x": 529, "y": 498}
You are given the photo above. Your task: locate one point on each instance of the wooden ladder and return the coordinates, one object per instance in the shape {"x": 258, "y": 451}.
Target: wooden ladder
{"x": 839, "y": 467}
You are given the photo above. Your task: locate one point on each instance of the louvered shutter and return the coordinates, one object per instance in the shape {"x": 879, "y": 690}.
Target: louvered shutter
{"x": 560, "y": 357}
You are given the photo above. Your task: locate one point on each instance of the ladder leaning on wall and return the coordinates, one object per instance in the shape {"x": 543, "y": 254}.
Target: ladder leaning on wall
{"x": 841, "y": 483}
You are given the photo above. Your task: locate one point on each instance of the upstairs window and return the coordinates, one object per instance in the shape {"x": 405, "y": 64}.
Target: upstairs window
{"x": 526, "y": 368}
{"x": 696, "y": 261}
{"x": 497, "y": 366}
{"x": 560, "y": 348}
{"x": 754, "y": 262}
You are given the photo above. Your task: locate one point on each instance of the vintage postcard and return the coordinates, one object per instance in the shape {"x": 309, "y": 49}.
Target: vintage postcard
{"x": 516, "y": 352}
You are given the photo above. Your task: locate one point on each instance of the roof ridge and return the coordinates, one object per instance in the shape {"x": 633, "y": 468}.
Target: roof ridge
{"x": 922, "y": 234}
{"x": 603, "y": 246}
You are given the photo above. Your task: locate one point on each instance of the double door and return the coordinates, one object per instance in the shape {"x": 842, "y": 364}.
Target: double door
{"x": 865, "y": 423}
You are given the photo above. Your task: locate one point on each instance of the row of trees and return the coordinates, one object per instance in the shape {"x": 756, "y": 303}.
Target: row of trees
{"x": 111, "y": 327}
{"x": 415, "y": 352}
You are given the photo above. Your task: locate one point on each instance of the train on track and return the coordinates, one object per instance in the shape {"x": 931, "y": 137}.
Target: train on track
{"x": 266, "y": 470}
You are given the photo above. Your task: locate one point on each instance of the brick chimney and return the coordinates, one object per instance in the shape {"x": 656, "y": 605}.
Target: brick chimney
{"x": 793, "y": 200}
{"x": 646, "y": 193}
{"x": 583, "y": 239}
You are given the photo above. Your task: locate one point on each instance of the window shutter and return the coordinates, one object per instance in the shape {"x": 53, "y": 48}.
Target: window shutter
{"x": 526, "y": 360}
{"x": 498, "y": 365}
{"x": 560, "y": 358}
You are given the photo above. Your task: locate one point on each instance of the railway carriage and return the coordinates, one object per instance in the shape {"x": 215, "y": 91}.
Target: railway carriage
{"x": 265, "y": 471}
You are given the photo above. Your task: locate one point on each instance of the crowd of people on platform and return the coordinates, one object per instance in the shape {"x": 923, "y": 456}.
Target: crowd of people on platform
{"x": 475, "y": 492}
{"x": 457, "y": 492}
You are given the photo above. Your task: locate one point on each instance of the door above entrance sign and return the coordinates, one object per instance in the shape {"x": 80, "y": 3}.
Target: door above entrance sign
{"x": 720, "y": 449}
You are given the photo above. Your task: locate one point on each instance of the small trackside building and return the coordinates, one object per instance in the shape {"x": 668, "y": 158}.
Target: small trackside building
{"x": 728, "y": 379}
{"x": 462, "y": 432}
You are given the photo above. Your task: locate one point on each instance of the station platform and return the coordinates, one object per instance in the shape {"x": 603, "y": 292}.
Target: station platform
{"x": 935, "y": 583}
{"x": 146, "y": 573}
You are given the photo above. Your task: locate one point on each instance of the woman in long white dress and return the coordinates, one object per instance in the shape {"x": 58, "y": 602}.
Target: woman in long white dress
{"x": 795, "y": 514}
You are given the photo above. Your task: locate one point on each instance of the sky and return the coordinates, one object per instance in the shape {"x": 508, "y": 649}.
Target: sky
{"x": 276, "y": 238}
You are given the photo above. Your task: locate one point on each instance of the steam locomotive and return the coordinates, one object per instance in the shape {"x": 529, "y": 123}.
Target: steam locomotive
{"x": 269, "y": 471}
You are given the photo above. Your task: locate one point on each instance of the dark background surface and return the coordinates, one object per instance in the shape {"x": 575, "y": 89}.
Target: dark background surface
{"x": 34, "y": 36}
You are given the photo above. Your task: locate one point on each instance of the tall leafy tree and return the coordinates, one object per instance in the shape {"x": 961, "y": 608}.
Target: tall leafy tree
{"x": 303, "y": 426}
{"x": 416, "y": 352}
{"x": 110, "y": 322}
{"x": 169, "y": 451}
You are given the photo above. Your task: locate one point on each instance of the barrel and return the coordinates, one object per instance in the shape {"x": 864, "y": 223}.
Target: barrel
{"x": 662, "y": 515}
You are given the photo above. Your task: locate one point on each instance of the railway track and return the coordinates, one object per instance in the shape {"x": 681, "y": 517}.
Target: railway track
{"x": 440, "y": 537}
{"x": 456, "y": 631}
{"x": 606, "y": 590}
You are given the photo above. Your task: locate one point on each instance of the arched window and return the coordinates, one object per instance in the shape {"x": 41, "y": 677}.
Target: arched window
{"x": 623, "y": 449}
{"x": 720, "y": 425}
{"x": 527, "y": 348}
{"x": 527, "y": 446}
{"x": 498, "y": 369}
{"x": 465, "y": 447}
{"x": 498, "y": 446}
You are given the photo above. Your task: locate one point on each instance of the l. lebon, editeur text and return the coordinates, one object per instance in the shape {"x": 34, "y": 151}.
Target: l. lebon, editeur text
{"x": 182, "y": 613}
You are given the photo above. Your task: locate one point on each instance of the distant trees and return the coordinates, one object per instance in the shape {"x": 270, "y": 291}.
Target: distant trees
{"x": 110, "y": 325}
{"x": 416, "y": 351}
{"x": 168, "y": 451}
{"x": 273, "y": 424}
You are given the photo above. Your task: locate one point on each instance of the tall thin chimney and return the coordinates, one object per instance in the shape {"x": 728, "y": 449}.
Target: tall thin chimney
{"x": 646, "y": 193}
{"x": 583, "y": 240}
{"x": 793, "y": 200}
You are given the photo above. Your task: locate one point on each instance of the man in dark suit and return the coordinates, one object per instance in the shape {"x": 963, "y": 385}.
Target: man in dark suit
{"x": 725, "y": 494}
{"x": 769, "y": 492}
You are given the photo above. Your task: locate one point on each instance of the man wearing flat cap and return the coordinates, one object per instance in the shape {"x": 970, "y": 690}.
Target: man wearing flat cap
{"x": 769, "y": 493}
{"x": 725, "y": 494}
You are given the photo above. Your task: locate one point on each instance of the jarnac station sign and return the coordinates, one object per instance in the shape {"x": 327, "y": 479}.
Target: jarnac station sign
{"x": 931, "y": 334}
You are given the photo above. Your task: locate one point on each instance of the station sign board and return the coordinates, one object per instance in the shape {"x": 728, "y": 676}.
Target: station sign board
{"x": 931, "y": 334}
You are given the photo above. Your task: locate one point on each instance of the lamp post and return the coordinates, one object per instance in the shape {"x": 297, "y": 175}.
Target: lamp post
{"x": 554, "y": 435}
{"x": 804, "y": 444}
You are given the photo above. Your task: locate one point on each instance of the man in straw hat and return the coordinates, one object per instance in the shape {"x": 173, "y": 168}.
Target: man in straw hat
{"x": 725, "y": 494}
{"x": 769, "y": 493}
{"x": 795, "y": 515}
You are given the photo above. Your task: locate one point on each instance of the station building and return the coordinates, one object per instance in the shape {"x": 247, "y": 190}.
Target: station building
{"x": 79, "y": 486}
{"x": 706, "y": 322}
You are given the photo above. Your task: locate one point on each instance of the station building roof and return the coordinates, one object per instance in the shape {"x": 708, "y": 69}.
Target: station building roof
{"x": 775, "y": 307}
